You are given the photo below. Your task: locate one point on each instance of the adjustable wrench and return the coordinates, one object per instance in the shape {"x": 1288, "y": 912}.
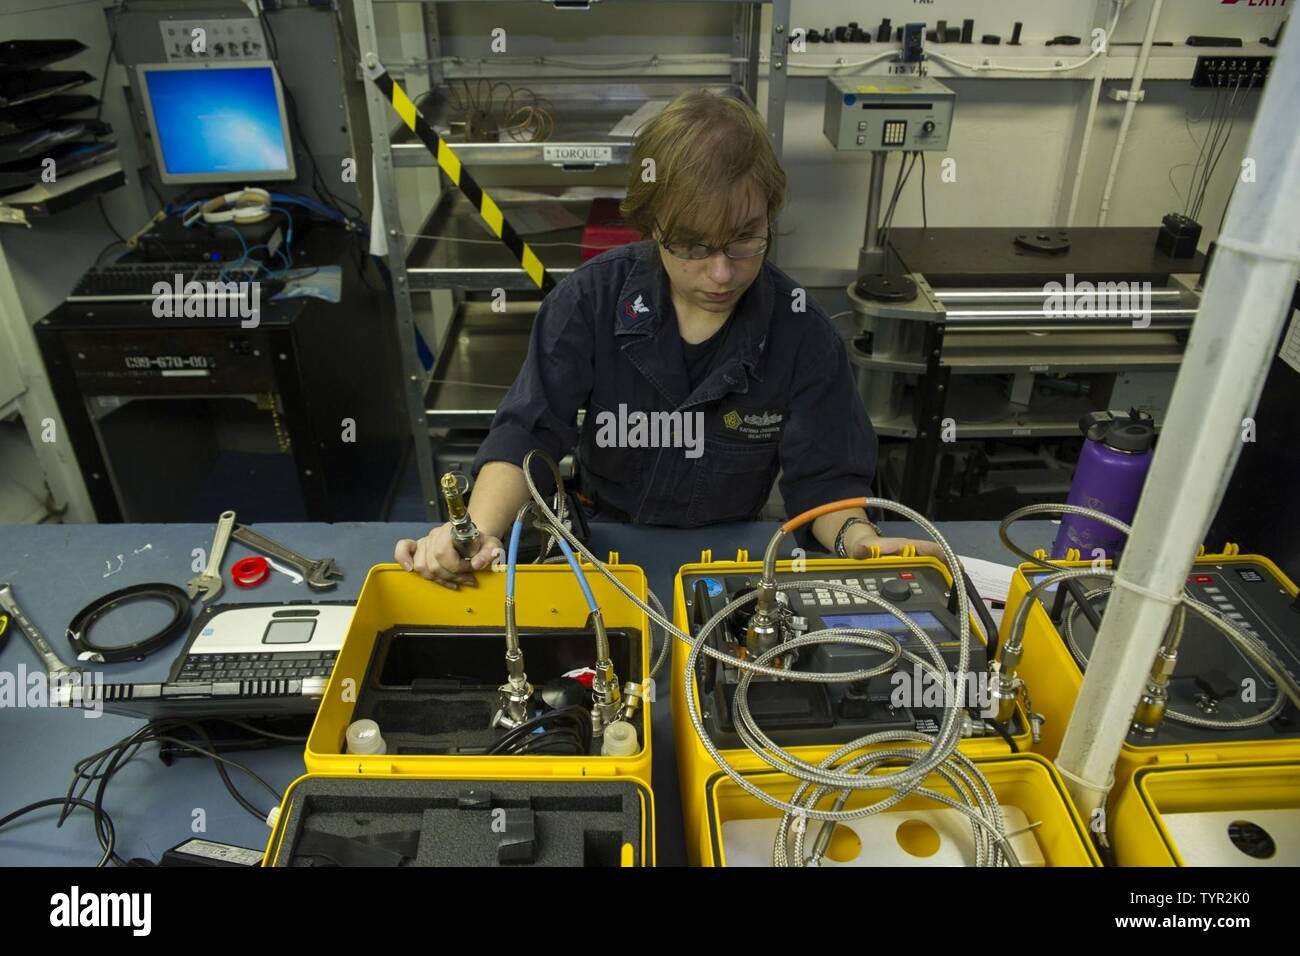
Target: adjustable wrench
{"x": 209, "y": 582}
{"x": 320, "y": 574}
{"x": 53, "y": 664}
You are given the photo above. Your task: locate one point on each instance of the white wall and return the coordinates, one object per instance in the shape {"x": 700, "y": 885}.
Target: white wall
{"x": 1013, "y": 139}
{"x": 1158, "y": 141}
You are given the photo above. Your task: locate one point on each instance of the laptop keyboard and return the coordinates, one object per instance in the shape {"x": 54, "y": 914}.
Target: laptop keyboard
{"x": 272, "y": 665}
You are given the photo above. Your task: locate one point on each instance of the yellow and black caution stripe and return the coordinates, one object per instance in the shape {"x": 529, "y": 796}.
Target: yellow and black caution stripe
{"x": 450, "y": 164}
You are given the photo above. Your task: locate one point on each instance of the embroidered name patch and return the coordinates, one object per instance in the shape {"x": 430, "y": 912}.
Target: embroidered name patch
{"x": 753, "y": 424}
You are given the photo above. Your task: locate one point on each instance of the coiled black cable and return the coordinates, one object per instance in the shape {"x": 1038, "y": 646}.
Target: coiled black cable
{"x": 556, "y": 733}
{"x": 79, "y": 629}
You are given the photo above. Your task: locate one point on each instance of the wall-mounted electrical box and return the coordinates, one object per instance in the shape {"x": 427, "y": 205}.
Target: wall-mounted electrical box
{"x": 898, "y": 113}
{"x": 1231, "y": 72}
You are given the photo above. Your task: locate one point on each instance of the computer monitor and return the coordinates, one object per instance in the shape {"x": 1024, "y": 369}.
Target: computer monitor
{"x": 217, "y": 122}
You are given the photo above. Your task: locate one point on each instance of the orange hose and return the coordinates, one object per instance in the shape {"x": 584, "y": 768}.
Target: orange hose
{"x": 812, "y": 514}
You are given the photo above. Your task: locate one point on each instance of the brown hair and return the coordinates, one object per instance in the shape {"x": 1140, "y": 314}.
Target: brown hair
{"x": 703, "y": 146}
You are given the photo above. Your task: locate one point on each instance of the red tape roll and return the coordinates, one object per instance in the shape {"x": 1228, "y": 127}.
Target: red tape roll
{"x": 250, "y": 572}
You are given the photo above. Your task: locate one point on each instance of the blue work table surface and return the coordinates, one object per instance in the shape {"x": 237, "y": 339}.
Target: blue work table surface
{"x": 55, "y": 570}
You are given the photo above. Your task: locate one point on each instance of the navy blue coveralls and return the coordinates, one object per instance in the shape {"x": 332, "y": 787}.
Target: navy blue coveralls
{"x": 781, "y": 395}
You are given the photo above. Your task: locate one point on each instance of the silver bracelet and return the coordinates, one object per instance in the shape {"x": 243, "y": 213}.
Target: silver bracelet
{"x": 839, "y": 538}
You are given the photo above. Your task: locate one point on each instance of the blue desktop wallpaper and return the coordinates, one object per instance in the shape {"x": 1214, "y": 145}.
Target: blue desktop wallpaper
{"x": 218, "y": 121}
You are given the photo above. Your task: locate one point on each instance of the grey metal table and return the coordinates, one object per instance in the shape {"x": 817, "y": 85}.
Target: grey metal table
{"x": 55, "y": 570}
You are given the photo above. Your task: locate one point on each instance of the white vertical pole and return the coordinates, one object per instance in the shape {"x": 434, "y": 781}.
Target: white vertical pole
{"x": 1247, "y": 298}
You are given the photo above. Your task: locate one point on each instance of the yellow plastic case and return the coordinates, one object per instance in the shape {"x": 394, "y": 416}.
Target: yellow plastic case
{"x": 279, "y": 850}
{"x": 545, "y": 596}
{"x": 1142, "y": 827}
{"x": 1053, "y": 680}
{"x": 1026, "y": 781}
{"x": 695, "y": 766}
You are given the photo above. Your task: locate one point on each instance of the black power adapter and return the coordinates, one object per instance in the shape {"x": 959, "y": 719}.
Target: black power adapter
{"x": 1178, "y": 236}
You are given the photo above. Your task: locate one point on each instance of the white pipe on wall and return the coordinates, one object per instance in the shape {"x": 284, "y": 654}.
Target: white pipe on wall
{"x": 1130, "y": 105}
{"x": 1081, "y": 161}
{"x": 1246, "y": 300}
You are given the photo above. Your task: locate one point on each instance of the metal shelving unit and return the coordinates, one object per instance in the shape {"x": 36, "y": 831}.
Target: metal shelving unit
{"x": 585, "y": 119}
{"x": 941, "y": 356}
{"x": 480, "y": 346}
{"x": 475, "y": 266}
{"x": 469, "y": 381}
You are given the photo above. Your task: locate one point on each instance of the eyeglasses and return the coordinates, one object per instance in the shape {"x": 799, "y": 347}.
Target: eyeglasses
{"x": 745, "y": 247}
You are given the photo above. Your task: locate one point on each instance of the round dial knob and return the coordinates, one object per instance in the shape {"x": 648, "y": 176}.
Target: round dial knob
{"x": 896, "y": 590}
{"x": 927, "y": 127}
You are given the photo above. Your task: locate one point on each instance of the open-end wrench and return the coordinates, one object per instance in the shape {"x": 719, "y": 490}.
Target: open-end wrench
{"x": 319, "y": 573}
{"x": 209, "y": 582}
{"x": 53, "y": 663}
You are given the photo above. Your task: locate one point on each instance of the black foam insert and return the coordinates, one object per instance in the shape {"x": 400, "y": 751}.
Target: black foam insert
{"x": 417, "y": 718}
{"x": 435, "y": 691}
{"x": 573, "y": 824}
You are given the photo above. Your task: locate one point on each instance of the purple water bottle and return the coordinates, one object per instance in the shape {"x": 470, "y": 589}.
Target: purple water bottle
{"x": 1112, "y": 467}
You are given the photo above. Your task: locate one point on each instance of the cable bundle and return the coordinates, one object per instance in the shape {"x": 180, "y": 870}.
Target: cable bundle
{"x": 900, "y": 183}
{"x": 102, "y": 767}
{"x": 847, "y": 769}
{"x": 556, "y": 733}
{"x": 520, "y": 122}
{"x": 1222, "y": 115}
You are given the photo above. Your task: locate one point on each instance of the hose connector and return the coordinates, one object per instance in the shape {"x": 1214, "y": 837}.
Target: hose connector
{"x": 464, "y": 533}
{"x": 516, "y": 693}
{"x": 762, "y": 634}
{"x": 606, "y": 698}
{"x": 1154, "y": 701}
{"x": 512, "y": 707}
{"x": 633, "y": 695}
{"x": 1004, "y": 690}
{"x": 764, "y": 629}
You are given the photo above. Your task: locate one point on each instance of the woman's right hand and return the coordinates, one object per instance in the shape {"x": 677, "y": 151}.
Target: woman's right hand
{"x": 435, "y": 557}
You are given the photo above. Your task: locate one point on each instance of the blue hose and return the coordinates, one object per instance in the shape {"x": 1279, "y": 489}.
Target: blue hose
{"x": 582, "y": 578}
{"x": 513, "y": 556}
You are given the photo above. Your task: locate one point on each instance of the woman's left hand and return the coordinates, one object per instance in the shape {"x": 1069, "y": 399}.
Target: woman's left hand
{"x": 860, "y": 539}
